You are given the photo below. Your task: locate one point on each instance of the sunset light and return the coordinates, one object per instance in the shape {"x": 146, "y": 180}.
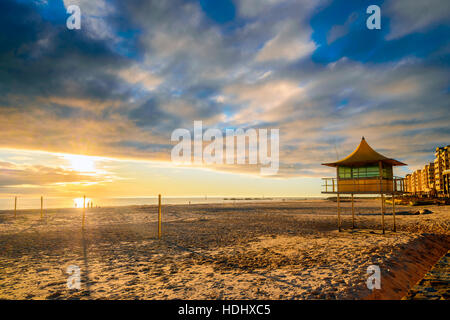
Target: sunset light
{"x": 81, "y": 163}
{"x": 216, "y": 151}
{"x": 78, "y": 202}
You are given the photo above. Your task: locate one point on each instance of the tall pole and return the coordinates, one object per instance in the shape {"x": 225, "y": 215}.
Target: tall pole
{"x": 42, "y": 207}
{"x": 84, "y": 211}
{"x": 353, "y": 213}
{"x": 339, "y": 212}
{"x": 382, "y": 211}
{"x": 380, "y": 166}
{"x": 15, "y": 207}
{"x": 393, "y": 211}
{"x": 338, "y": 199}
{"x": 159, "y": 216}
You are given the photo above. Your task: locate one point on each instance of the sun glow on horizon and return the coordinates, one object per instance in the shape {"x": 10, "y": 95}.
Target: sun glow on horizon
{"x": 79, "y": 202}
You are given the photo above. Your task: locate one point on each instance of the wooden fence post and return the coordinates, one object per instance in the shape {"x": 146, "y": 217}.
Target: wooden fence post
{"x": 393, "y": 211}
{"x": 84, "y": 211}
{"x": 15, "y": 207}
{"x": 339, "y": 212}
{"x": 382, "y": 211}
{"x": 159, "y": 216}
{"x": 353, "y": 213}
{"x": 42, "y": 207}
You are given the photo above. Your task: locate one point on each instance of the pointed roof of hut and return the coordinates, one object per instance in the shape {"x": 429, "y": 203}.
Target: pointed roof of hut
{"x": 364, "y": 154}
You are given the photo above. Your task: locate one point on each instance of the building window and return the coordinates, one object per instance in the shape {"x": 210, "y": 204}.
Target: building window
{"x": 364, "y": 172}
{"x": 345, "y": 172}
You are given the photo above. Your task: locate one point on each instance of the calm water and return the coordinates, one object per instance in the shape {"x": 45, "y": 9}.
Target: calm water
{"x": 35, "y": 203}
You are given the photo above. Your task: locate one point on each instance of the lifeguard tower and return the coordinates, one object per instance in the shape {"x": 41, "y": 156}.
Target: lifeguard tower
{"x": 365, "y": 171}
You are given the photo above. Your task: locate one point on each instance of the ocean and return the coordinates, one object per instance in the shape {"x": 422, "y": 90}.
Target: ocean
{"x": 52, "y": 203}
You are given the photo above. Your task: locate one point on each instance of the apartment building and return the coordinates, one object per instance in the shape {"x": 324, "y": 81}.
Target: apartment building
{"x": 434, "y": 178}
{"x": 418, "y": 181}
{"x": 414, "y": 183}
{"x": 408, "y": 185}
{"x": 446, "y": 183}
{"x": 441, "y": 169}
{"x": 428, "y": 178}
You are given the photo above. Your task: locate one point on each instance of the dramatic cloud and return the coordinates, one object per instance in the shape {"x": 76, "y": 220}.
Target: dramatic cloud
{"x": 17, "y": 176}
{"x": 137, "y": 70}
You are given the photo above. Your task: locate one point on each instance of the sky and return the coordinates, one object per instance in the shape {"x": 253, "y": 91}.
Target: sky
{"x": 91, "y": 111}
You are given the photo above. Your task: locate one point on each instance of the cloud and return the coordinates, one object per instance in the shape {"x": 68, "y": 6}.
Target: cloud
{"x": 415, "y": 16}
{"x": 119, "y": 87}
{"x": 253, "y": 8}
{"x": 94, "y": 16}
{"x": 38, "y": 175}
{"x": 136, "y": 75}
{"x": 260, "y": 98}
{"x": 258, "y": 8}
{"x": 382, "y": 103}
{"x": 291, "y": 43}
{"x": 338, "y": 31}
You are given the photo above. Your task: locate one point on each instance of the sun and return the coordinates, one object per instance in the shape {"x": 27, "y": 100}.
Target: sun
{"x": 78, "y": 202}
{"x": 81, "y": 163}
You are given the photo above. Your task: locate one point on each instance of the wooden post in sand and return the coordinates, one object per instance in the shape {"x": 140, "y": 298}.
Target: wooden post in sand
{"x": 84, "y": 211}
{"x": 353, "y": 213}
{"x": 338, "y": 199}
{"x": 42, "y": 207}
{"x": 393, "y": 211}
{"x": 15, "y": 207}
{"x": 159, "y": 216}
{"x": 339, "y": 212}
{"x": 382, "y": 211}
{"x": 380, "y": 167}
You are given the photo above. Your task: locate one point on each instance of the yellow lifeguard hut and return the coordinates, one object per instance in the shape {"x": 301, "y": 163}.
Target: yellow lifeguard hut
{"x": 365, "y": 171}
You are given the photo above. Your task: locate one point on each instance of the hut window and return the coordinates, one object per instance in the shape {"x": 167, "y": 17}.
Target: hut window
{"x": 345, "y": 172}
{"x": 363, "y": 172}
{"x": 387, "y": 172}
{"x": 366, "y": 172}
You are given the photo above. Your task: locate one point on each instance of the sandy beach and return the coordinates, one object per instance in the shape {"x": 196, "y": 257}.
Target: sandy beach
{"x": 261, "y": 250}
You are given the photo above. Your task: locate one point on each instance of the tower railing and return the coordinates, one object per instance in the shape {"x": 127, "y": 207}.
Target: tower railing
{"x": 364, "y": 185}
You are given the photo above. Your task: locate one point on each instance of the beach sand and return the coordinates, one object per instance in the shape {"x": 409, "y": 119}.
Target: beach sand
{"x": 261, "y": 250}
